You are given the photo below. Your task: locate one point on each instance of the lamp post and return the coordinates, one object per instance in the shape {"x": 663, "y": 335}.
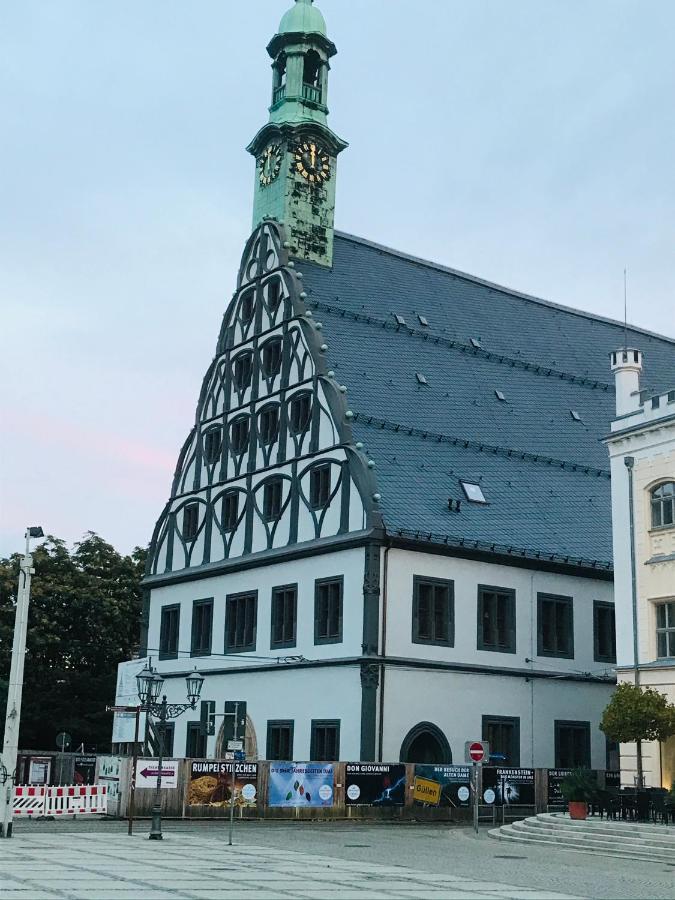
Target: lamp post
{"x": 10, "y": 749}
{"x": 150, "y": 684}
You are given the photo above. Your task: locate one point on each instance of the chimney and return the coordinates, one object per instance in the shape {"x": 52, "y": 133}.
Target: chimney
{"x": 627, "y": 366}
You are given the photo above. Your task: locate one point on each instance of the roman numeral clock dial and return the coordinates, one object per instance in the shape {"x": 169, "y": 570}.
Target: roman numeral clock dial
{"x": 270, "y": 164}
{"x": 312, "y": 162}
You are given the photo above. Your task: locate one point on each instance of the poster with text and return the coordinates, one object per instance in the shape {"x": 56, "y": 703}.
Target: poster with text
{"x": 375, "y": 784}
{"x": 612, "y": 780}
{"x": 453, "y": 785}
{"x": 300, "y": 784}
{"x": 511, "y": 787}
{"x": 211, "y": 784}
{"x": 554, "y": 797}
{"x": 85, "y": 769}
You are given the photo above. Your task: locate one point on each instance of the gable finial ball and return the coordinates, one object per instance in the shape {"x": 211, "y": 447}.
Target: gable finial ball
{"x": 300, "y": 275}
{"x": 371, "y": 463}
{"x": 377, "y": 497}
{"x": 309, "y": 313}
{"x": 286, "y": 245}
{"x": 291, "y": 264}
{"x": 349, "y": 414}
{"x": 343, "y": 388}
{"x": 303, "y": 295}
{"x": 324, "y": 347}
{"x": 331, "y": 374}
{"x": 359, "y": 445}
{"x": 319, "y": 326}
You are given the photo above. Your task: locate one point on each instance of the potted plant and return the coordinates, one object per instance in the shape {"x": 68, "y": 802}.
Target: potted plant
{"x": 578, "y": 788}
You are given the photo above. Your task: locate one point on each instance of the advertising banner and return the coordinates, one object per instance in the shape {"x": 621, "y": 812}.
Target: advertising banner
{"x": 375, "y": 784}
{"x": 85, "y": 769}
{"x": 147, "y": 771}
{"x": 126, "y": 694}
{"x": 442, "y": 785}
{"x": 211, "y": 784}
{"x": 300, "y": 784}
{"x": 612, "y": 780}
{"x": 109, "y": 768}
{"x": 510, "y": 787}
{"x": 40, "y": 770}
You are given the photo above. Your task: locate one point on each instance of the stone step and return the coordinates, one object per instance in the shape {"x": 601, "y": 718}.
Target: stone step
{"x": 563, "y": 835}
{"x": 614, "y": 827}
{"x": 664, "y": 836}
{"x": 580, "y": 845}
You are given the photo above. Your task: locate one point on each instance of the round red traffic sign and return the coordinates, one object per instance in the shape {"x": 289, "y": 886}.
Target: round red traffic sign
{"x": 476, "y": 752}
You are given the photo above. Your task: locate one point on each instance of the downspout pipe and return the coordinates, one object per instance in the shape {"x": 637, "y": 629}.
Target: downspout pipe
{"x": 629, "y": 462}
{"x": 383, "y": 651}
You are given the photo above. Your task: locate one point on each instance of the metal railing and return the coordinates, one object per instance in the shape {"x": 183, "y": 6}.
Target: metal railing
{"x": 309, "y": 92}
{"x": 278, "y": 94}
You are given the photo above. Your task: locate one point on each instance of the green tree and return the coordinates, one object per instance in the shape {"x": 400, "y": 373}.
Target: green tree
{"x": 83, "y": 620}
{"x": 636, "y": 714}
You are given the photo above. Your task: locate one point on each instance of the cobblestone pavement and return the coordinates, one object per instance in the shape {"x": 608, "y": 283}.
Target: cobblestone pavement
{"x": 184, "y": 866}
{"x": 84, "y": 857}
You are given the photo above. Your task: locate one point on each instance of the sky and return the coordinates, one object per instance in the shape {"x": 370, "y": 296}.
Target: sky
{"x": 528, "y": 142}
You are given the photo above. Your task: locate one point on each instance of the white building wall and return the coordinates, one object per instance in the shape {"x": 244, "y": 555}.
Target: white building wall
{"x": 456, "y": 702}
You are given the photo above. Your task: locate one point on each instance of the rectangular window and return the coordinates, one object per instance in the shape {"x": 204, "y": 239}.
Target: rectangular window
{"x": 572, "y": 745}
{"x": 319, "y": 486}
{"x": 190, "y": 521}
{"x": 195, "y": 742}
{"x": 168, "y": 632}
{"x": 273, "y": 296}
{"x": 503, "y": 735}
{"x": 284, "y": 620}
{"x": 168, "y": 740}
{"x": 301, "y": 411}
{"x": 604, "y": 632}
{"x": 665, "y": 629}
{"x": 230, "y": 510}
{"x": 213, "y": 441}
{"x": 241, "y": 612}
{"x": 433, "y": 611}
{"x": 272, "y": 495}
{"x": 328, "y": 611}
{"x": 555, "y": 626}
{"x": 325, "y": 745}
{"x": 280, "y": 739}
{"x": 239, "y": 432}
{"x": 202, "y": 621}
{"x": 496, "y": 619}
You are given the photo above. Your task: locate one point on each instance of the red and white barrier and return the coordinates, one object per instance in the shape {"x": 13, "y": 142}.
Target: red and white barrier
{"x": 75, "y": 800}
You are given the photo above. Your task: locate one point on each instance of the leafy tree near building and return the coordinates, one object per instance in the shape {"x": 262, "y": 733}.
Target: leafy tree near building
{"x": 83, "y": 619}
{"x": 636, "y": 714}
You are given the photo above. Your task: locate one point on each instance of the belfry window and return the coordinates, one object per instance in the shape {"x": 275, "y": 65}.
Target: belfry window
{"x": 271, "y": 357}
{"x": 311, "y": 76}
{"x": 663, "y": 505}
{"x": 279, "y": 83}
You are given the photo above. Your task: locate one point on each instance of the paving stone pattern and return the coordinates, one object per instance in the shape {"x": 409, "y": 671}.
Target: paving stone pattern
{"x": 80, "y": 866}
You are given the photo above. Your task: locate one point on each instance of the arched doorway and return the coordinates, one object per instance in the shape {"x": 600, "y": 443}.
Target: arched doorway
{"x": 426, "y": 743}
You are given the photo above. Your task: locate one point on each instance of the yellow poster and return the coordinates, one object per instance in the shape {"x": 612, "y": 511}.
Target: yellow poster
{"x": 426, "y": 791}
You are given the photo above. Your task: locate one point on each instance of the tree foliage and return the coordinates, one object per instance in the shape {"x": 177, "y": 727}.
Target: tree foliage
{"x": 638, "y": 714}
{"x": 83, "y": 620}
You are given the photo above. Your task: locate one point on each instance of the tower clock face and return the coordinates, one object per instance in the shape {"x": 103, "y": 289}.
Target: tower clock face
{"x": 312, "y": 162}
{"x": 270, "y": 164}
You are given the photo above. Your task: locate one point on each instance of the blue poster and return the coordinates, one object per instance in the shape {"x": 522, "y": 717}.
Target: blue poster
{"x": 300, "y": 784}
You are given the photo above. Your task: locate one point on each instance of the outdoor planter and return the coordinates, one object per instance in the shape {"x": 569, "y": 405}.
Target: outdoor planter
{"x": 578, "y": 809}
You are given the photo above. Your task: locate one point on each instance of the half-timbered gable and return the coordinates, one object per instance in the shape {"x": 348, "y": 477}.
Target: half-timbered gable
{"x": 270, "y": 461}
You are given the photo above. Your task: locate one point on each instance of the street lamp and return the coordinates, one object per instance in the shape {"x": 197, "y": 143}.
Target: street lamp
{"x": 150, "y": 684}
{"x": 13, "y": 718}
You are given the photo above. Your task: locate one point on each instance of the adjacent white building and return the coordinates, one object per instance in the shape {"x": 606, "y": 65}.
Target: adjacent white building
{"x": 389, "y": 527}
{"x": 642, "y": 453}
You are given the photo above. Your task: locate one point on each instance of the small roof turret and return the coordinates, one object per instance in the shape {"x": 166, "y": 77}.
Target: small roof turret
{"x": 303, "y": 18}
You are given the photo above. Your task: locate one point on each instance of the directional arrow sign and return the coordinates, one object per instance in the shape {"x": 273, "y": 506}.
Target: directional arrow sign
{"x": 147, "y": 771}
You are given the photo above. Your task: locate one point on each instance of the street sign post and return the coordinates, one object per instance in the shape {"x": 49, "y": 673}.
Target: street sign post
{"x": 476, "y": 753}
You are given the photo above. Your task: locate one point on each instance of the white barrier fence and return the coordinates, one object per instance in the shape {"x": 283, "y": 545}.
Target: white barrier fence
{"x": 74, "y": 800}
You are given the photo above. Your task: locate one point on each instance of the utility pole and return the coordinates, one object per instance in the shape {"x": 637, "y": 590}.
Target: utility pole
{"x": 10, "y": 749}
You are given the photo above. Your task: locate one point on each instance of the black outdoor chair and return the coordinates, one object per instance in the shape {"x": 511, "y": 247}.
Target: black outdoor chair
{"x": 629, "y": 807}
{"x": 607, "y": 803}
{"x": 660, "y": 808}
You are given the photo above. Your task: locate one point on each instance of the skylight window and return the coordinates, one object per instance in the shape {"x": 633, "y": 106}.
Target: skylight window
{"x": 476, "y": 344}
{"x": 423, "y": 320}
{"x": 422, "y": 378}
{"x": 575, "y": 415}
{"x": 399, "y": 319}
{"x": 474, "y": 492}
{"x": 500, "y": 396}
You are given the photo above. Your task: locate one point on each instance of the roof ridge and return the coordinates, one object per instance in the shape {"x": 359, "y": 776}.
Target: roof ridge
{"x": 482, "y": 446}
{"x": 426, "y": 335}
{"x": 499, "y": 287}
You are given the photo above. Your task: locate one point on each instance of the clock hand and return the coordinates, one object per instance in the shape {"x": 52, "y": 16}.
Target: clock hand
{"x": 313, "y": 156}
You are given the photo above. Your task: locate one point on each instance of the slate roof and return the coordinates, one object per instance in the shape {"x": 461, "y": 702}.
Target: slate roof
{"x": 545, "y": 474}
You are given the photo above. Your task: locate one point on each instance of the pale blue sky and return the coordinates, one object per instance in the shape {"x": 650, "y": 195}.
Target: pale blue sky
{"x": 530, "y": 142}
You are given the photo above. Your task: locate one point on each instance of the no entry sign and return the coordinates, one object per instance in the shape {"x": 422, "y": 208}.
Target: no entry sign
{"x": 476, "y": 751}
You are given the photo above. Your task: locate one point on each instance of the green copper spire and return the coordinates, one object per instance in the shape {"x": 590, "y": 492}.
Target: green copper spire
{"x": 296, "y": 151}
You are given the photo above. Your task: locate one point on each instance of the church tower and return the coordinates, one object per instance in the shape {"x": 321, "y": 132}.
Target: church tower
{"x": 296, "y": 152}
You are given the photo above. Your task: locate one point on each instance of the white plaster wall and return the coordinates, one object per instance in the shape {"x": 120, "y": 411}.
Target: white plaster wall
{"x": 467, "y": 575}
{"x": 303, "y": 572}
{"x": 322, "y": 693}
{"x": 456, "y": 702}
